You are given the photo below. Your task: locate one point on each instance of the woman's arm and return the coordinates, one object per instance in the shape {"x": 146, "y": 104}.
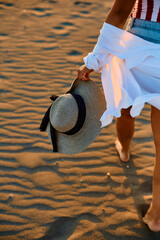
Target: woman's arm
{"x": 117, "y": 16}
{"x": 119, "y": 12}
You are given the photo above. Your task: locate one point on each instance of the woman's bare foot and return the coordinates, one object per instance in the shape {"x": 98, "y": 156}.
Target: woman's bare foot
{"x": 152, "y": 220}
{"x": 124, "y": 156}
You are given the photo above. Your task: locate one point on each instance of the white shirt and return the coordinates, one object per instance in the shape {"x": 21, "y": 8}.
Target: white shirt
{"x": 130, "y": 71}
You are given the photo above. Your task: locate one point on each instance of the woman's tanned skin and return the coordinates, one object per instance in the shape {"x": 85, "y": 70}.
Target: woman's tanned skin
{"x": 117, "y": 17}
{"x": 125, "y": 124}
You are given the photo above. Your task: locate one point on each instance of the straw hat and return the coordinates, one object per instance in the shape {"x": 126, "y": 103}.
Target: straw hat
{"x": 73, "y": 120}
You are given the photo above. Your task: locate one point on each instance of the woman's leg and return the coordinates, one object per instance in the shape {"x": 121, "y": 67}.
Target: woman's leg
{"x": 125, "y": 131}
{"x": 152, "y": 217}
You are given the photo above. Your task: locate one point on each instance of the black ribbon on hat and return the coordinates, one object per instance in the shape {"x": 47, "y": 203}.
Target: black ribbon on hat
{"x": 79, "y": 124}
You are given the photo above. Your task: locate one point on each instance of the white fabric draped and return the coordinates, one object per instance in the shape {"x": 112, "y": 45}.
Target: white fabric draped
{"x": 130, "y": 71}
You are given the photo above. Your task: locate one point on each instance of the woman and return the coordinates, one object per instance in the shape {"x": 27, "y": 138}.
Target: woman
{"x": 145, "y": 17}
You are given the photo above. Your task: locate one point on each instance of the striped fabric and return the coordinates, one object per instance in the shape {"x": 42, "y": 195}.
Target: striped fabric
{"x": 147, "y": 10}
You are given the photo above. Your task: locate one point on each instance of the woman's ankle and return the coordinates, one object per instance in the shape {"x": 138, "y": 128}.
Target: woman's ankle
{"x": 123, "y": 154}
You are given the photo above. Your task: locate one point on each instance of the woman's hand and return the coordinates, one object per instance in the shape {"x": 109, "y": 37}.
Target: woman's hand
{"x": 83, "y": 73}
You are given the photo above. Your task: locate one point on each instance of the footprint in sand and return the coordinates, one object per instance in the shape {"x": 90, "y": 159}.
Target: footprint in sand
{"x": 82, "y": 3}
{"x": 74, "y": 53}
{"x": 67, "y": 24}
{"x": 6, "y": 4}
{"x": 63, "y": 227}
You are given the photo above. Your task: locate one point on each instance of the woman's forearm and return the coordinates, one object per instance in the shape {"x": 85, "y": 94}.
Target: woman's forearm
{"x": 119, "y": 12}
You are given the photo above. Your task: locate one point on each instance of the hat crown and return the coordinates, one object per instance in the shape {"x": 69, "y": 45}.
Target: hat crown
{"x": 65, "y": 113}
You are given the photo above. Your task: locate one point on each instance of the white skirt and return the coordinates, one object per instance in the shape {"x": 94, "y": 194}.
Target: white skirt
{"x": 130, "y": 71}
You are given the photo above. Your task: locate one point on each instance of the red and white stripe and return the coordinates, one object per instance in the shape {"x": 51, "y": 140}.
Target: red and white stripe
{"x": 147, "y": 10}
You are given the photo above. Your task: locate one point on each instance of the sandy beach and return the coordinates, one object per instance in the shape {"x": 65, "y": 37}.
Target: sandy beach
{"x": 50, "y": 196}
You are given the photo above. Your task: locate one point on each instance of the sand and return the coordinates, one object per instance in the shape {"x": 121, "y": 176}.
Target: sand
{"x": 87, "y": 196}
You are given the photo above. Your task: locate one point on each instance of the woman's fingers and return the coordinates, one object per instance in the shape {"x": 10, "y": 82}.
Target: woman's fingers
{"x": 83, "y": 73}
{"x": 82, "y": 76}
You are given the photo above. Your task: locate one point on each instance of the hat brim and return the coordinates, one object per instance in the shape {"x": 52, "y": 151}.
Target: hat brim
{"x": 95, "y": 107}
